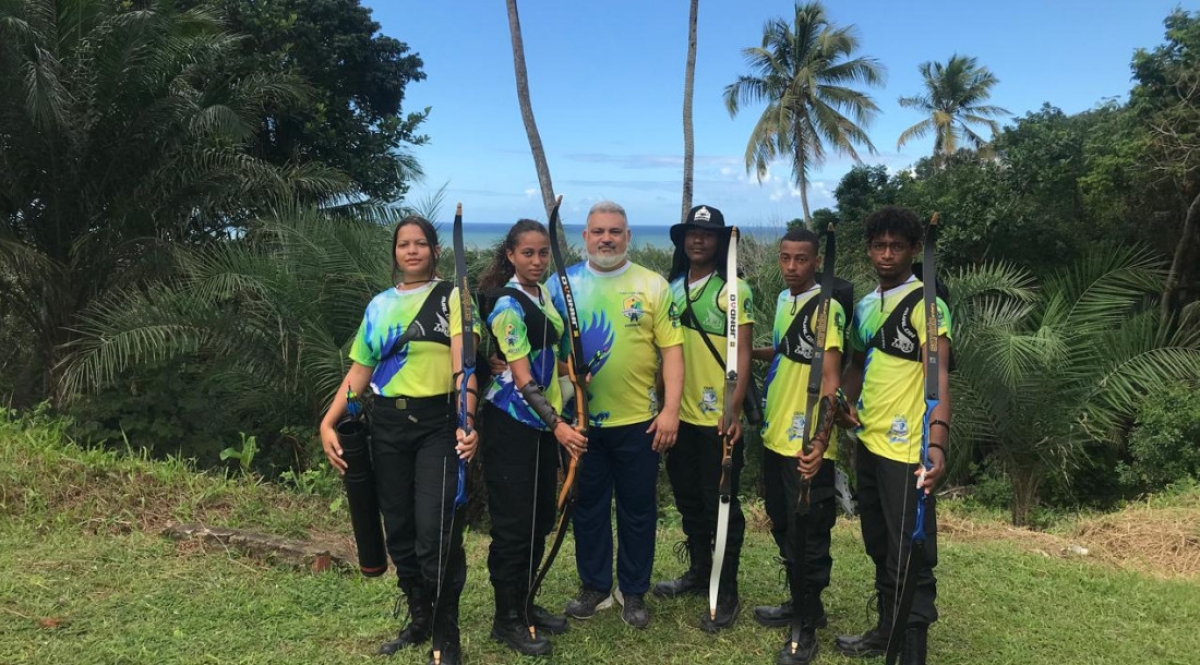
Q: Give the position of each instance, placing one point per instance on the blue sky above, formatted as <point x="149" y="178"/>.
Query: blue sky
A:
<point x="606" y="80"/>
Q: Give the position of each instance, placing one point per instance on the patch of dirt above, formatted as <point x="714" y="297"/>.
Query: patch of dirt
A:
<point x="1163" y="542"/>
<point x="1160" y="542"/>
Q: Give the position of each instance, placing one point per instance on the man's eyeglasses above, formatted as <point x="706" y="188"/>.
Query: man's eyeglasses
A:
<point x="881" y="247"/>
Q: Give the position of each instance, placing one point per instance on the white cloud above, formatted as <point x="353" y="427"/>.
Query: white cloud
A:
<point x="530" y="193"/>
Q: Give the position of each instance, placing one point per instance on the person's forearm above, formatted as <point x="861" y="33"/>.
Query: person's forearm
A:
<point x="763" y="353"/>
<point x="852" y="382"/>
<point x="672" y="369"/>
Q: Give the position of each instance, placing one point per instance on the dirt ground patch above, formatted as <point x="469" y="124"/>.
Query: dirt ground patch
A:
<point x="1161" y="542"/>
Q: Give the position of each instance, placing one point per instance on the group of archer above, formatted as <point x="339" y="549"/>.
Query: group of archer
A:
<point x="621" y="336"/>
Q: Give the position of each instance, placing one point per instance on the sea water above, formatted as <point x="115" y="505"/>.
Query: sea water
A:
<point x="483" y="235"/>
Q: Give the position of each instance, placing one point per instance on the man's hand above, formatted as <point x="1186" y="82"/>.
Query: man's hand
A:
<point x="496" y="365"/>
<point x="810" y="464"/>
<point x="937" y="459"/>
<point x="665" y="428"/>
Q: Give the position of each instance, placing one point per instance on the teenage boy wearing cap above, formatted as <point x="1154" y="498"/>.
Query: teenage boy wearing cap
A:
<point x="698" y="287"/>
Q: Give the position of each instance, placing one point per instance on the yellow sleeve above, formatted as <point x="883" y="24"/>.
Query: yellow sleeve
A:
<point x="667" y="330"/>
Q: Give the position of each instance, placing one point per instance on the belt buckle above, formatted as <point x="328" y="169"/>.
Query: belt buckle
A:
<point x="402" y="403"/>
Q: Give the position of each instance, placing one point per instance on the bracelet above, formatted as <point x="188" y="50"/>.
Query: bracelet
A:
<point x="943" y="423"/>
<point x="941" y="447"/>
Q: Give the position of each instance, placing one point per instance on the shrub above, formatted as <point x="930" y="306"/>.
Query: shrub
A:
<point x="1164" y="445"/>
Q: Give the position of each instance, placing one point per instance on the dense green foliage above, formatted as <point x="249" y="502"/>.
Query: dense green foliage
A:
<point x="126" y="131"/>
<point x="1164" y="445"/>
<point x="352" y="120"/>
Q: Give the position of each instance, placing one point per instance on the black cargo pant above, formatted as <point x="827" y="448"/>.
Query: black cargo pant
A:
<point x="887" y="507"/>
<point x="781" y="490"/>
<point x="694" y="468"/>
<point x="520" y="465"/>
<point x="416" y="476"/>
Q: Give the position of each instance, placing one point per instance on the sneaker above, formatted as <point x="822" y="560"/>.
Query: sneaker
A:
<point x="587" y="603"/>
<point x="634" y="612"/>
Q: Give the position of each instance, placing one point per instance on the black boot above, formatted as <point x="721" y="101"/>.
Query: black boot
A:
<point x="872" y="643"/>
<point x="728" y="607"/>
<point x="780" y="616"/>
<point x="509" y="627"/>
<point x="695" y="579"/>
<point x="420" y="613"/>
<point x="915" y="644"/>
<point x="555" y="624"/>
<point x="798" y="654"/>
<point x="446" y="648"/>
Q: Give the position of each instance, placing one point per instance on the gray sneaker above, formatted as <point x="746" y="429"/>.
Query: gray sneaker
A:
<point x="634" y="610"/>
<point x="587" y="603"/>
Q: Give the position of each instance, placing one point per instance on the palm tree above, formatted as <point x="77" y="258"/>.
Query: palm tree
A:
<point x="953" y="102"/>
<point x="804" y="70"/>
<point x="272" y="313"/>
<point x="1044" y="373"/>
<point x="531" y="130"/>
<point x="119" y="132"/>
<point x="689" y="84"/>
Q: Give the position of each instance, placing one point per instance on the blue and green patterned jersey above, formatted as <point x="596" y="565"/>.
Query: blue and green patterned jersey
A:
<point x="786" y="387"/>
<point x="704" y="380"/>
<point x="625" y="316"/>
<point x="418" y="368"/>
<point x="507" y="323"/>
<point x="892" y="403"/>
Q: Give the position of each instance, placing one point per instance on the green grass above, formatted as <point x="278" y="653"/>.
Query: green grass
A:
<point x="78" y="586"/>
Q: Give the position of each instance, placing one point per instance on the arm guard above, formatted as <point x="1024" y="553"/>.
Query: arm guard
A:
<point x="537" y="401"/>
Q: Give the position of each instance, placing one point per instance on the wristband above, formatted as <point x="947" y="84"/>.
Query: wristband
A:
<point x="943" y="423"/>
<point x="941" y="447"/>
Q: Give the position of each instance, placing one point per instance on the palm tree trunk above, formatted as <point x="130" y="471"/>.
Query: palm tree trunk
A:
<point x="535" y="140"/>
<point x="801" y="164"/>
<point x="689" y="80"/>
<point x="1025" y="484"/>
<point x="1185" y="240"/>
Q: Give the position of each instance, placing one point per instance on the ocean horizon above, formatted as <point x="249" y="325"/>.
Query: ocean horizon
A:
<point x="484" y="235"/>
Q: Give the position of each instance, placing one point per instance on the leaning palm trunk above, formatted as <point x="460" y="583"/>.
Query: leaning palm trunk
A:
<point x="689" y="84"/>
<point x="1171" y="287"/>
<point x="531" y="130"/>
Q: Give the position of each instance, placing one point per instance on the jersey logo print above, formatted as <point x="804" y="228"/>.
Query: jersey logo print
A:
<point x="899" y="431"/>
<point x="708" y="400"/>
<point x="906" y="338"/>
<point x="797" y="429"/>
<point x="634" y="309"/>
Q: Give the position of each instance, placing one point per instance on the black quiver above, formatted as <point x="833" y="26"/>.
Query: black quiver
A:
<point x="361" y="496"/>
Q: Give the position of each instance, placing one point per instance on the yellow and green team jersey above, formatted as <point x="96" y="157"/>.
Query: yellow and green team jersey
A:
<point x="786" y="387"/>
<point x="516" y="341"/>
<point x="416" y="368"/>
<point x="889" y="328"/>
<point x="704" y="380"/>
<point x="625" y="316"/>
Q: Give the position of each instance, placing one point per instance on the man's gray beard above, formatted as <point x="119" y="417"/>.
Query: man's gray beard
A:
<point x="608" y="261"/>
